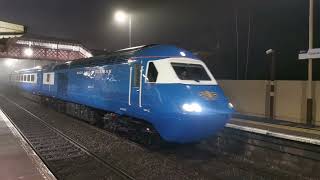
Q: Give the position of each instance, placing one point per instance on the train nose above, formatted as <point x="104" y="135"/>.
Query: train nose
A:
<point x="195" y="121"/>
<point x="187" y="128"/>
<point x="201" y="107"/>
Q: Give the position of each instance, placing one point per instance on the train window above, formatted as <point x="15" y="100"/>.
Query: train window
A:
<point x="152" y="72"/>
<point x="32" y="78"/>
<point x="136" y="76"/>
<point x="194" y="72"/>
<point x="29" y="78"/>
<point x="24" y="77"/>
<point x="48" y="78"/>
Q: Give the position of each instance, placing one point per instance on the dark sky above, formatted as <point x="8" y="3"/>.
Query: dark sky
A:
<point x="202" y="25"/>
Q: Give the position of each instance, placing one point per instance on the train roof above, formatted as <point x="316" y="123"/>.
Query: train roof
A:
<point x="29" y="70"/>
<point x="122" y="56"/>
<point x="119" y="56"/>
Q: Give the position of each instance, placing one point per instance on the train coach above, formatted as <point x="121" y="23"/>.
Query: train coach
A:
<point x="159" y="89"/>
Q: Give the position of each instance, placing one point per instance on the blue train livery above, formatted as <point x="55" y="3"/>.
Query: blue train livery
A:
<point x="163" y="85"/>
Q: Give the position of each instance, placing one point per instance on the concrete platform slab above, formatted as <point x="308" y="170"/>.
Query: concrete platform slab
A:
<point x="289" y="130"/>
<point x="17" y="159"/>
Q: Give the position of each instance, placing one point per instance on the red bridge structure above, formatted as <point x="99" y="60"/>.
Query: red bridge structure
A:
<point x="16" y="43"/>
<point x="43" y="48"/>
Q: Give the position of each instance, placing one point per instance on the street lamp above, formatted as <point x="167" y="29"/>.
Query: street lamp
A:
<point x="272" y="79"/>
<point x="121" y="17"/>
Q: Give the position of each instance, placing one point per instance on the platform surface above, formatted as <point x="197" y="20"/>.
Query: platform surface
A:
<point x="17" y="160"/>
<point x="275" y="128"/>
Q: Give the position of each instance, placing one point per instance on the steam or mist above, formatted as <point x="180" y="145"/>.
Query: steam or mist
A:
<point x="9" y="66"/>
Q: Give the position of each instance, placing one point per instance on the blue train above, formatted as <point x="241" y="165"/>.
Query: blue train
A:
<point x="162" y="88"/>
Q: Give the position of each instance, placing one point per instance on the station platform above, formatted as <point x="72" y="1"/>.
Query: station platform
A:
<point x="276" y="128"/>
<point x="17" y="158"/>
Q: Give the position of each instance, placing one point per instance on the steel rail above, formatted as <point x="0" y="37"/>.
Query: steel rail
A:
<point x="115" y="169"/>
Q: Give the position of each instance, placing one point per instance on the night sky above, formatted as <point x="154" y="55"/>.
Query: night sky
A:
<point x="205" y="26"/>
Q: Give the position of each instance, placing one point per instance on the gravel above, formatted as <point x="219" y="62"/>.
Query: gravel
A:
<point x="207" y="160"/>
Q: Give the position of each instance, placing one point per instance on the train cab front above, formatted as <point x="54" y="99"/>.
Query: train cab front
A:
<point x="195" y="107"/>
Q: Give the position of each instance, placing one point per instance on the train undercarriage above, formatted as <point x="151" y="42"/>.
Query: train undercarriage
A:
<point x="135" y="130"/>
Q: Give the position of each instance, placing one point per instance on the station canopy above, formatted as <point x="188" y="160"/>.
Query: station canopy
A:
<point x="10" y="30"/>
<point x="15" y="42"/>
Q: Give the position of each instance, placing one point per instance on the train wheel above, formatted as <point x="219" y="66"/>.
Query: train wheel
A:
<point x="99" y="122"/>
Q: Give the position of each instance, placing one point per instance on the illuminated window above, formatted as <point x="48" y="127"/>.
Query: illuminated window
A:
<point x="48" y="78"/>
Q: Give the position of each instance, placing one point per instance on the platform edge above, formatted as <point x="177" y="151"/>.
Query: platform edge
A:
<point x="40" y="165"/>
<point x="274" y="134"/>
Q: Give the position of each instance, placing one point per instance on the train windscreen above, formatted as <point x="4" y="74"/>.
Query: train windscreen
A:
<point x="194" y="72"/>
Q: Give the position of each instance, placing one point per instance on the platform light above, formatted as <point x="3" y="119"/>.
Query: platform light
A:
<point x="230" y="105"/>
<point x="194" y="107"/>
<point x="120" y="16"/>
<point x="10" y="62"/>
<point x="182" y="53"/>
<point x="28" y="52"/>
<point x="37" y="67"/>
<point x="269" y="51"/>
<point x="89" y="55"/>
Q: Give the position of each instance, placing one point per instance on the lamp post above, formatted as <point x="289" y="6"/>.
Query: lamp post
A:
<point x="309" y="91"/>
<point x="272" y="79"/>
<point x="121" y="17"/>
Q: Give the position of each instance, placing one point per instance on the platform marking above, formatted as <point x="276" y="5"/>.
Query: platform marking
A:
<point x="274" y="134"/>
<point x="310" y="131"/>
<point x="41" y="167"/>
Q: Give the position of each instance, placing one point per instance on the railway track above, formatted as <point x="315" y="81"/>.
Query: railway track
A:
<point x="233" y="155"/>
<point x="138" y="162"/>
<point x="63" y="155"/>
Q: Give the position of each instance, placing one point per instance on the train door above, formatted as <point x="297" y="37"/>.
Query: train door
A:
<point x="62" y="84"/>
<point x="39" y="82"/>
<point x="135" y="85"/>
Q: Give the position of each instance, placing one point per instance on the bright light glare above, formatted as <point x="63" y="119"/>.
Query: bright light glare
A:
<point x="10" y="62"/>
<point x="230" y="105"/>
<point x="28" y="52"/>
<point x="194" y="107"/>
<point x="120" y="16"/>
<point x="182" y="53"/>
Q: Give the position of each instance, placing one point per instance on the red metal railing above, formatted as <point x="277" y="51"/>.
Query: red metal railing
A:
<point x="44" y="50"/>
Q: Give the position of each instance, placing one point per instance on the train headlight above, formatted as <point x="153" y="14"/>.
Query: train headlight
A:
<point x="194" y="107"/>
<point x="230" y="105"/>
